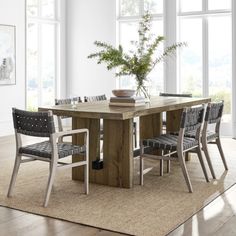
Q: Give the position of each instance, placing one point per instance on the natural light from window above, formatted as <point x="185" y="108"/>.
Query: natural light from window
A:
<point x="42" y="30"/>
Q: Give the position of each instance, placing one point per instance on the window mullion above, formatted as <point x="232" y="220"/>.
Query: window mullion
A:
<point x="234" y="67"/>
<point x="205" y="59"/>
<point x="56" y="60"/>
<point x="141" y="7"/>
<point x="204" y="6"/>
<point x="39" y="54"/>
<point x="170" y="66"/>
<point x="39" y="64"/>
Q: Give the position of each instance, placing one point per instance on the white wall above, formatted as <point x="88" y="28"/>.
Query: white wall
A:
<point x="12" y="12"/>
<point x="87" y="21"/>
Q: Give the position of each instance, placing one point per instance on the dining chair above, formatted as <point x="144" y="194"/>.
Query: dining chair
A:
<point x="41" y="124"/>
<point x="213" y="117"/>
<point x="184" y="95"/>
<point x="60" y="118"/>
<point x="191" y="120"/>
<point x="62" y="102"/>
<point x="101" y="98"/>
<point x="95" y="98"/>
<point x="187" y="95"/>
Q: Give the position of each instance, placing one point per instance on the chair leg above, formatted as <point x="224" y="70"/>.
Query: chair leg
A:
<point x="184" y="170"/>
<point x="101" y="151"/>
<point x="218" y="143"/>
<point x="206" y="152"/>
<point x="161" y="164"/>
<point x="86" y="178"/>
<point x="50" y="183"/>
<point x="14" y="175"/>
<point x="135" y="134"/>
<point x="141" y="166"/>
<point x="135" y="139"/>
<point x="199" y="154"/>
<point x="161" y="167"/>
<point x="168" y="166"/>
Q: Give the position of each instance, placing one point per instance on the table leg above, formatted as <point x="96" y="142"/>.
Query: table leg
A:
<point x="118" y="152"/>
<point x="150" y="126"/>
<point x="173" y="120"/>
<point x="95" y="176"/>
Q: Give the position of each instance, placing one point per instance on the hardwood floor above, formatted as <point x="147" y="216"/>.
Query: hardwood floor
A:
<point x="218" y="218"/>
<point x="13" y="222"/>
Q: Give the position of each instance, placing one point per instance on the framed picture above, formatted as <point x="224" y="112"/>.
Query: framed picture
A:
<point x="7" y="55"/>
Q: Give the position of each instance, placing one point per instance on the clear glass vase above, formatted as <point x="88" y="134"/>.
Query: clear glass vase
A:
<point x="142" y="91"/>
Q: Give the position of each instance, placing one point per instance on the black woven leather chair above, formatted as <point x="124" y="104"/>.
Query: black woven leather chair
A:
<point x="95" y="98"/>
<point x="41" y="124"/>
<point x="213" y="116"/>
<point x="62" y="102"/>
<point x="101" y="98"/>
<point x="186" y="95"/>
<point x="191" y="120"/>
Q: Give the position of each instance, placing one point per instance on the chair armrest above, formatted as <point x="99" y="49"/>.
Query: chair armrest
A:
<point x="70" y="132"/>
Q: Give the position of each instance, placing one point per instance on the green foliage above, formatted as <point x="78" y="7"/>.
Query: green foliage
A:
<point x="139" y="62"/>
<point x="223" y="95"/>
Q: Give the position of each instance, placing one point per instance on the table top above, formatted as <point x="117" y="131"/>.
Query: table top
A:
<point x="102" y="110"/>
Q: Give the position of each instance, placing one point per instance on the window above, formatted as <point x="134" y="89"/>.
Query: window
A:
<point x="204" y="67"/>
<point x="130" y="13"/>
<point x="206" y="64"/>
<point x="42" y="51"/>
<point x="191" y="56"/>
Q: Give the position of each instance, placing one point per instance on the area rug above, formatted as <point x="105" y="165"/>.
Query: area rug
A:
<point x="156" y="208"/>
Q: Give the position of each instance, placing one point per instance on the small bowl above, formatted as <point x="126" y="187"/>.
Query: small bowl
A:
<point x="123" y="92"/>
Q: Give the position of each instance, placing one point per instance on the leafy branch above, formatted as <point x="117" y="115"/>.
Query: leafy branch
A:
<point x="139" y="62"/>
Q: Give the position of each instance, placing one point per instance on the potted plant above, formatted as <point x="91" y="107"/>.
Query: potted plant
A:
<point x="138" y="63"/>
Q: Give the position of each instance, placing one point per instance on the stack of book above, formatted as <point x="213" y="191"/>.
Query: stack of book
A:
<point x="127" y="101"/>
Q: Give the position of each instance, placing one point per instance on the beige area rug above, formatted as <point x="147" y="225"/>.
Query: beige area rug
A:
<point x="154" y="209"/>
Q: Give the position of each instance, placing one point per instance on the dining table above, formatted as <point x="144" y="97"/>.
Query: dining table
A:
<point x="116" y="167"/>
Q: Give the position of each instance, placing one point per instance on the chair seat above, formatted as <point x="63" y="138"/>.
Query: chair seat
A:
<point x="169" y="142"/>
<point x="210" y="135"/>
<point x="192" y="134"/>
<point x="44" y="149"/>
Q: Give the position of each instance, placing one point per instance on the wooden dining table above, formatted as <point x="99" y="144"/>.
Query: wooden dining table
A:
<point x="117" y="166"/>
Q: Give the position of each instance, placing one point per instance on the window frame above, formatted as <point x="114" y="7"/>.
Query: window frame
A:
<point x="56" y="22"/>
<point x="204" y="14"/>
<point x="121" y="19"/>
<point x="229" y="128"/>
<point x="171" y="15"/>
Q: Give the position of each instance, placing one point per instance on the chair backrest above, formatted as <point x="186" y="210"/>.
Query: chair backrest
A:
<point x="189" y="95"/>
<point x="214" y="112"/>
<point x="67" y="100"/>
<point x="63" y="101"/>
<point x="192" y="118"/>
<point x="38" y="124"/>
<point x="95" y="98"/>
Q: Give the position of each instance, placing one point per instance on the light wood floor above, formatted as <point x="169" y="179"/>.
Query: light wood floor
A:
<point x="218" y="218"/>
